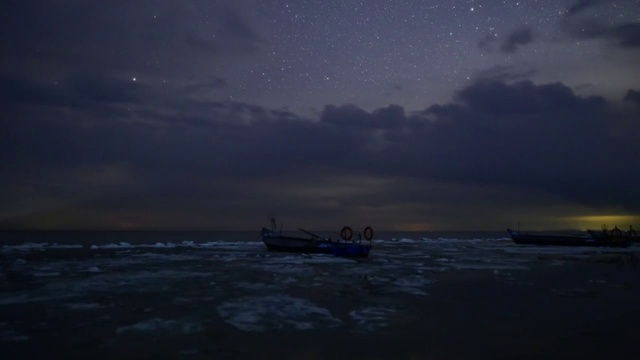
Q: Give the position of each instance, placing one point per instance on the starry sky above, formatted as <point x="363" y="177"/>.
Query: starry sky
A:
<point x="403" y="115"/>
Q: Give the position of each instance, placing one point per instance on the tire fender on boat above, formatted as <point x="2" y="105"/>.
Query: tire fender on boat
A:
<point x="346" y="233"/>
<point x="616" y="232"/>
<point x="368" y="233"/>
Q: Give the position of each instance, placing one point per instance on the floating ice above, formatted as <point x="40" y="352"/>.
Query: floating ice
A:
<point x="122" y="245"/>
<point x="22" y="298"/>
<point x="412" y="284"/>
<point x="157" y="324"/>
<point x="163" y="245"/>
<point x="93" y="269"/>
<point x="25" y="247"/>
<point x="84" y="306"/>
<point x="10" y="335"/>
<point x="371" y="318"/>
<point x="255" y="286"/>
<point x="45" y="274"/>
<point x="275" y="312"/>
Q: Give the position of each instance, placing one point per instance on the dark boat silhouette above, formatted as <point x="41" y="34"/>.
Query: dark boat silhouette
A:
<point x="615" y="235"/>
<point x="276" y="241"/>
<point x="566" y="239"/>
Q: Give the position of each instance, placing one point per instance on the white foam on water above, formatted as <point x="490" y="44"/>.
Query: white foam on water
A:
<point x="275" y="312"/>
<point x="158" y="324"/>
<point x="371" y="318"/>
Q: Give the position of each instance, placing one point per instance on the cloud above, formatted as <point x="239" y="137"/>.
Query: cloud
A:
<point x="486" y="43"/>
<point x="517" y="38"/>
<point x="505" y="73"/>
<point x="627" y="35"/>
<point x="192" y="156"/>
<point x="582" y="6"/>
<point x="624" y="35"/>
<point x="633" y="96"/>
<point x="511" y="43"/>
<point x="159" y="40"/>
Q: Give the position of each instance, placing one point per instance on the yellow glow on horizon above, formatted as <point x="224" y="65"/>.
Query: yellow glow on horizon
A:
<point x="596" y="221"/>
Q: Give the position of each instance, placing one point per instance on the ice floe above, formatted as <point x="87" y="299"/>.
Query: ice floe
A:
<point x="183" y="326"/>
<point x="263" y="313"/>
<point x="45" y="274"/>
<point x="412" y="284"/>
<point x="84" y="306"/>
<point x="11" y="335"/>
<point x="92" y="269"/>
<point x="38" y="247"/>
<point x="371" y="318"/>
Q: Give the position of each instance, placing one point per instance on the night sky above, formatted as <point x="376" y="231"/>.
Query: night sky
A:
<point x="403" y="115"/>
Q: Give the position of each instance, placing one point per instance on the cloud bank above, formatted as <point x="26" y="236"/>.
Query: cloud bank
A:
<point x="124" y="148"/>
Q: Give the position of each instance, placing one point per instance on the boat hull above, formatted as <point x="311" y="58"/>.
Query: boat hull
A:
<point x="276" y="242"/>
<point x="605" y="236"/>
<point x="565" y="240"/>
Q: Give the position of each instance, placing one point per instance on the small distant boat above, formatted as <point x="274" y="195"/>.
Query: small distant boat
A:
<point x="565" y="239"/>
<point x="346" y="247"/>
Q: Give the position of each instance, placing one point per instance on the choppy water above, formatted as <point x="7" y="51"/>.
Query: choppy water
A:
<point x="123" y="285"/>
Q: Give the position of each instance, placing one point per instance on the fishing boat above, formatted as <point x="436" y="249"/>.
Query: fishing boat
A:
<point x="346" y="246"/>
<point x="564" y="239"/>
<point x="615" y="235"/>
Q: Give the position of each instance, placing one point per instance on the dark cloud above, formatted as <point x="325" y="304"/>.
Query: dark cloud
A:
<point x="119" y="38"/>
<point x="210" y="84"/>
<point x="583" y="86"/>
<point x="239" y="27"/>
<point x="626" y="35"/>
<point x="183" y="153"/>
<point x="102" y="95"/>
<point x="633" y="96"/>
<point x="581" y="6"/>
<point x="510" y="44"/>
<point x="505" y="73"/>
<point x="517" y="38"/>
<point x="486" y="43"/>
